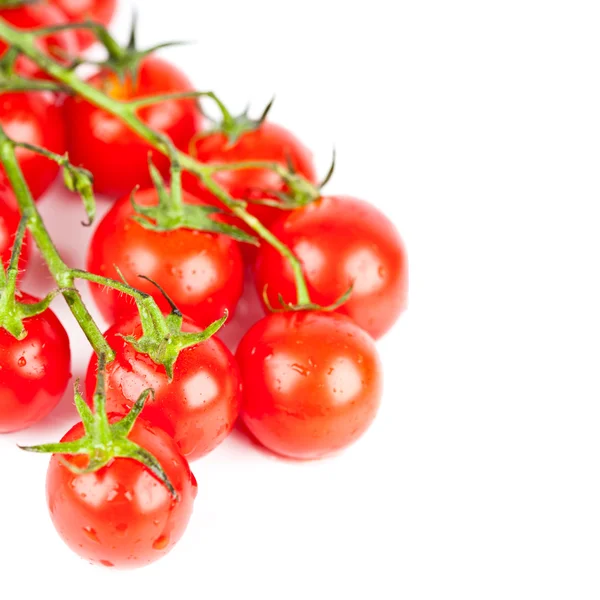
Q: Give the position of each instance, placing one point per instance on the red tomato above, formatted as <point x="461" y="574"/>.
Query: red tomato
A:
<point x="9" y="222"/>
<point x="34" y="372"/>
<point x="201" y="272"/>
<point x="76" y="11"/>
<point x="122" y="516"/>
<point x="106" y="146"/>
<point x="267" y="143"/>
<point x="34" y="118"/>
<point x="312" y="382"/>
<point x="198" y="408"/>
<point x="58" y="45"/>
<point x="341" y="241"/>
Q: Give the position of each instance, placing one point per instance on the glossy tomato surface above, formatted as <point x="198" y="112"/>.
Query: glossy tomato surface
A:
<point x="312" y="383"/>
<point x="269" y="142"/>
<point x="9" y="222"/>
<point x="60" y="45"/>
<point x="37" y="119"/>
<point x="106" y="146"/>
<point x="34" y="372"/>
<point x="198" y="408"/>
<point x="202" y="272"/>
<point x="340" y="242"/>
<point x="122" y="516"/>
<point x="76" y="11"/>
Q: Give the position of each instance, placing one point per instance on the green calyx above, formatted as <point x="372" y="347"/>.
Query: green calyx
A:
<point x="172" y="212"/>
<point x="162" y="338"/>
<point x="300" y="192"/>
<point x="76" y="179"/>
<point x="80" y="181"/>
<point x="125" y="61"/>
<point x="233" y="127"/>
<point x="104" y="441"/>
<point x="13" y="312"/>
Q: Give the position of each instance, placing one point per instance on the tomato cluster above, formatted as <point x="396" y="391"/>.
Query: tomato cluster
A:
<point x="306" y="380"/>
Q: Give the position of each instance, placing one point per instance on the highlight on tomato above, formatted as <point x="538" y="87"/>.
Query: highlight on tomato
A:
<point x="105" y="145"/>
<point x="197" y="407"/>
<point x="259" y="141"/>
<point x="35" y="357"/>
<point x="121" y="515"/>
<point x="76" y="11"/>
<point x="312" y="382"/>
<point x="34" y="118"/>
<point x="201" y="271"/>
<point x="342" y="243"/>
<point x="61" y="45"/>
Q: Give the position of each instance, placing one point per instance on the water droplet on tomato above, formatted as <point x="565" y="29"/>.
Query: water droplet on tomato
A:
<point x="91" y="533"/>
<point x="22" y="362"/>
<point x="106" y="563"/>
<point x="161" y="543"/>
<point x="301" y="369"/>
<point x="122" y="528"/>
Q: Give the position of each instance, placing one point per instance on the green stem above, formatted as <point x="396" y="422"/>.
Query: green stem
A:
<point x="25" y="43"/>
<point x="24" y="85"/>
<point x="149" y="311"/>
<point x="61" y="273"/>
<point x="59" y="159"/>
<point x="302" y="295"/>
<point x="249" y="164"/>
<point x="101" y="423"/>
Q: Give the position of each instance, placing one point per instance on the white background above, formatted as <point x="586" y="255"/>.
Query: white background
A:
<point x="476" y="127"/>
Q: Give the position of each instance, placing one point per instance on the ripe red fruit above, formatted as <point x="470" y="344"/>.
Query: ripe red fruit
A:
<point x="198" y="408"/>
<point x="340" y="242"/>
<point x="312" y="382"/>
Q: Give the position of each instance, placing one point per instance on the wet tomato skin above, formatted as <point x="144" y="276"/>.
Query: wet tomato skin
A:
<point x="122" y="516"/>
<point x="340" y="242"/>
<point x="269" y="142"/>
<point x="9" y="222"/>
<point x="37" y="119"/>
<point x="59" y="45"/>
<point x="76" y="11"/>
<point x="106" y="146"/>
<point x="202" y="272"/>
<point x="312" y="383"/>
<point x="34" y="372"/>
<point x="198" y="408"/>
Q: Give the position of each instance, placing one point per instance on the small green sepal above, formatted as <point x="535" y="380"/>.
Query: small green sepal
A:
<point x="162" y="338"/>
<point x="290" y="307"/>
<point x="102" y="441"/>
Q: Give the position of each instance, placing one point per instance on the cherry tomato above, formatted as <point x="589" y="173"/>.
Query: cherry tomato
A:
<point x="34" y="372"/>
<point x="105" y="145"/>
<point x="267" y="143"/>
<point x="198" y="408"/>
<point x="9" y="222"/>
<point x="202" y="272"/>
<point x="122" y="516"/>
<point x="34" y="118"/>
<point x="340" y="241"/>
<point x="312" y="382"/>
<point x="76" y="11"/>
<point x="59" y="46"/>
